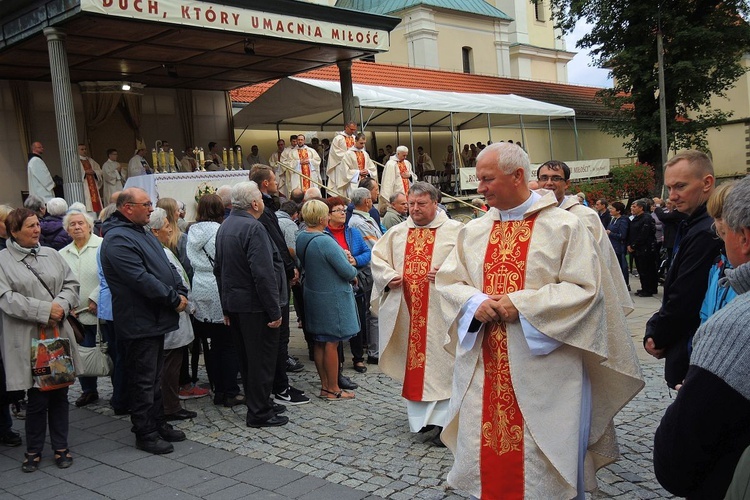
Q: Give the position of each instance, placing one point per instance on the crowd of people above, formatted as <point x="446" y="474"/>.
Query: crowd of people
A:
<point x="507" y="333"/>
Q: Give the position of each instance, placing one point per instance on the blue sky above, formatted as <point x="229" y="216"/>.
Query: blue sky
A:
<point x="579" y="70"/>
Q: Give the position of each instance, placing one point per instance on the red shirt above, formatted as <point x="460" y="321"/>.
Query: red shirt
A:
<point x="339" y="236"/>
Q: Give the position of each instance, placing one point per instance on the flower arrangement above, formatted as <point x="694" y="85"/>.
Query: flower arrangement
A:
<point x="204" y="188"/>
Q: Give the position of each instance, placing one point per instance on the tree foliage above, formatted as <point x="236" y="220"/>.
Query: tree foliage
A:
<point x="703" y="42"/>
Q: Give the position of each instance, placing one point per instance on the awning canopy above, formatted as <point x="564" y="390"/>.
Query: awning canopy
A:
<point x="316" y="104"/>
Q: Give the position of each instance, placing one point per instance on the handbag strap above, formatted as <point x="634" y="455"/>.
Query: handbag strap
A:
<point x="304" y="250"/>
<point x="38" y="277"/>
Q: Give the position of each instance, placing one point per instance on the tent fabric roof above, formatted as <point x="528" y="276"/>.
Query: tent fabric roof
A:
<point x="580" y="98"/>
<point x="478" y="7"/>
<point x="313" y="102"/>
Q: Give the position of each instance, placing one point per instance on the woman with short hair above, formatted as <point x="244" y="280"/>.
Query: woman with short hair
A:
<point x="25" y="304"/>
<point x="175" y="342"/>
<point x="222" y="363"/>
<point x="81" y="257"/>
<point x="330" y="309"/>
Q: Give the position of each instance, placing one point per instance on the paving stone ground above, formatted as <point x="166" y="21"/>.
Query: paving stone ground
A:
<point x="346" y="449"/>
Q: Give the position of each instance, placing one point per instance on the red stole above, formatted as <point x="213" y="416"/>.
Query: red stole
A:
<point x="403" y="170"/>
<point x="360" y="159"/>
<point x="420" y="243"/>
<point x="501" y="461"/>
<point x="305" y="166"/>
<point x="90" y="179"/>
<point x="349" y="141"/>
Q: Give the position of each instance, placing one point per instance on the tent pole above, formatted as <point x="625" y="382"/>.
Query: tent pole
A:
<point x="454" y="156"/>
<point x="361" y="118"/>
<point x="429" y="132"/>
<point x="575" y="133"/>
<point x="489" y="128"/>
<point x="278" y="132"/>
<point x="411" y="140"/>
<point x="549" y="131"/>
<point x="523" y="134"/>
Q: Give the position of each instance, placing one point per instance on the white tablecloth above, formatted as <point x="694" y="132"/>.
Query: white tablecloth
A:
<point x="184" y="186"/>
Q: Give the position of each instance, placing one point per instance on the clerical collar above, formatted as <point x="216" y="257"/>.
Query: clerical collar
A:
<point x="517" y="213"/>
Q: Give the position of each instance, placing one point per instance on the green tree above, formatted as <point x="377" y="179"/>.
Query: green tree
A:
<point x="703" y="42"/>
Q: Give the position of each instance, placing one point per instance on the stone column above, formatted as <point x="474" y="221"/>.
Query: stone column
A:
<point x="347" y="91"/>
<point x="67" y="136"/>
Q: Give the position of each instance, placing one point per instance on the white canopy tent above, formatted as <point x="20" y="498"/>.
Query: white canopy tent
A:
<point x="308" y="103"/>
<point x="304" y="103"/>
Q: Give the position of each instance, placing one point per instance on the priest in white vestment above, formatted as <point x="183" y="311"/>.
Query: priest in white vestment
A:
<point x="543" y="363"/>
<point x="92" y="178"/>
<point x="555" y="176"/>
<point x="138" y="164"/>
<point x="397" y="177"/>
<point x="412" y="326"/>
<point x="341" y="143"/>
<point x="40" y="180"/>
<point x="355" y="165"/>
<point x="303" y="160"/>
<point x="111" y="176"/>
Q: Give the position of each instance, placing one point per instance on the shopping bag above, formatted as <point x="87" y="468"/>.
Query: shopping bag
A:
<point x="95" y="360"/>
<point x="51" y="362"/>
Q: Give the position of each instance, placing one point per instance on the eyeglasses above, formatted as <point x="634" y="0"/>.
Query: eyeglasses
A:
<point x="147" y="204"/>
<point x="554" y="178"/>
<point x="338" y="210"/>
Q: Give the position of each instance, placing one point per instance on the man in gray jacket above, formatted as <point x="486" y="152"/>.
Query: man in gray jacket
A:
<point x="252" y="286"/>
<point x="147" y="297"/>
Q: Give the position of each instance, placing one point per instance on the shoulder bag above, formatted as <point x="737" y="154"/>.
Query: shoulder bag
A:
<point x="95" y="360"/>
<point x="75" y="325"/>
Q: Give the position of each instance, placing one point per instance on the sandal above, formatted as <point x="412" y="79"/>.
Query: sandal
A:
<point x="63" y="459"/>
<point x="337" y="396"/>
<point x="31" y="462"/>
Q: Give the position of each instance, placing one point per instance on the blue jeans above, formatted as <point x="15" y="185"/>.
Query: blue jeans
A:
<point x="621" y="258"/>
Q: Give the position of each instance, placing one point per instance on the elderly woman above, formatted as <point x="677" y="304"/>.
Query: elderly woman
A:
<point x="53" y="232"/>
<point x="222" y="363"/>
<point x="330" y="309"/>
<point x="81" y="257"/>
<point x="358" y="254"/>
<point x="176" y="342"/>
<point x="189" y="388"/>
<point x="4" y="211"/>
<point x="25" y="305"/>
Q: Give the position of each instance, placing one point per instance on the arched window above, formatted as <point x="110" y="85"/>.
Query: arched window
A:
<point x="467" y="58"/>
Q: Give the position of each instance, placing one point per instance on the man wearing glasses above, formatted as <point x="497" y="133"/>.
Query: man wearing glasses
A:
<point x="554" y="175"/>
<point x="147" y="296"/>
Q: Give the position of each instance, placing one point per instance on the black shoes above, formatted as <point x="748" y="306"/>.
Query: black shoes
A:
<point x="359" y="367"/>
<point x="155" y="445"/>
<point x="10" y="438"/>
<point x="277" y="408"/>
<point x="170" y="434"/>
<point x="346" y="383"/>
<point x="293" y="365"/>
<point x="87" y="398"/>
<point x="641" y="293"/>
<point x="182" y="414"/>
<point x="372" y="360"/>
<point x="275" y="421"/>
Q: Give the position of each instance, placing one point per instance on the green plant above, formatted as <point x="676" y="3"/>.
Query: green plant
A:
<point x="634" y="180"/>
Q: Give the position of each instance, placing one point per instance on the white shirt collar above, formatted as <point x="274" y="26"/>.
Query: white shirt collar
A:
<point x="517" y="213"/>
